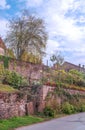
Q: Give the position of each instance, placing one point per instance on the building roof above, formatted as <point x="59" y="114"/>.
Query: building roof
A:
<point x="2" y="45"/>
<point x="68" y="66"/>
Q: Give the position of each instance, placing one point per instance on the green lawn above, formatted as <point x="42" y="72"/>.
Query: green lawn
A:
<point x="18" y="121"/>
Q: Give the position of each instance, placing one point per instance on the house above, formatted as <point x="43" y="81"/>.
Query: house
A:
<point x="67" y="66"/>
<point x="2" y="47"/>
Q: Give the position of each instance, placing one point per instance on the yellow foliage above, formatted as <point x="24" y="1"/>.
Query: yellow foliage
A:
<point x="10" y="53"/>
<point x="1" y="69"/>
<point x="30" y="58"/>
<point x="7" y="88"/>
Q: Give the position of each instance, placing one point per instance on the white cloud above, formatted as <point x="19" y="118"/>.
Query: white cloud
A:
<point x="52" y="46"/>
<point x="4" y="5"/>
<point x="3" y="27"/>
<point x="61" y="17"/>
<point x="59" y="23"/>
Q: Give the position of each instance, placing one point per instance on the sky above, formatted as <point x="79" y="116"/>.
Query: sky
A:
<point x="65" y="24"/>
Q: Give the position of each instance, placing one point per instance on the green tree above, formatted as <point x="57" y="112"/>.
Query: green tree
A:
<point x="27" y="33"/>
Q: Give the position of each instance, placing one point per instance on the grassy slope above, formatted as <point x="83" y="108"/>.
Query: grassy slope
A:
<point x="7" y="88"/>
<point x="18" y="121"/>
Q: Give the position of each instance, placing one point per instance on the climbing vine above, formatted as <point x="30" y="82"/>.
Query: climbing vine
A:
<point x="5" y="61"/>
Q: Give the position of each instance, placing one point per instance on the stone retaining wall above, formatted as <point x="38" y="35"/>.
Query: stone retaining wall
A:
<point x="26" y="69"/>
<point x="12" y="105"/>
<point x="43" y="92"/>
<point x="16" y="104"/>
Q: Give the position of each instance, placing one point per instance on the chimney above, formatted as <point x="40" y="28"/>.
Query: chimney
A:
<point x="83" y="66"/>
<point x="79" y="67"/>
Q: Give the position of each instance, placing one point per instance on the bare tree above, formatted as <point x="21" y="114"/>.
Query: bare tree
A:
<point x="27" y="33"/>
<point x="57" y="59"/>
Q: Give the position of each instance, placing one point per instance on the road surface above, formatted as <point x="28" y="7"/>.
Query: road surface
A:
<point x="73" y="122"/>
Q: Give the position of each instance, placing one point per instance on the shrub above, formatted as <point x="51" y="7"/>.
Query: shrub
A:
<point x="49" y="112"/>
<point x="36" y="83"/>
<point x="67" y="108"/>
<point x="82" y="108"/>
<point x="14" y="79"/>
<point x="24" y="82"/>
<point x="81" y="82"/>
<point x="77" y="108"/>
<point x="54" y="104"/>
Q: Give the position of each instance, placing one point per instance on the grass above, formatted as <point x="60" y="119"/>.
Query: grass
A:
<point x="7" y="88"/>
<point x="10" y="124"/>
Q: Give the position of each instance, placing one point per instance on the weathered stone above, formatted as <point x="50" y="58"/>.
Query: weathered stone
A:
<point x="30" y="108"/>
<point x="10" y="107"/>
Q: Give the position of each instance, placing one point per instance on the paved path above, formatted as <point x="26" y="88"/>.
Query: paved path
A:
<point x="73" y="122"/>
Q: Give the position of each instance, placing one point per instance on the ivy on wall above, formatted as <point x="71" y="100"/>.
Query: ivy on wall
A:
<point x="5" y="61"/>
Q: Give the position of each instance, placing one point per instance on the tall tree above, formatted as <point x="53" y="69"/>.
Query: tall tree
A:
<point x="27" y="33"/>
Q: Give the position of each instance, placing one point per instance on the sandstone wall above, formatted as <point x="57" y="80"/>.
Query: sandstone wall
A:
<point x="40" y="100"/>
<point x="16" y="104"/>
<point x="26" y="69"/>
<point x="43" y="92"/>
<point x="13" y="105"/>
<point x="29" y="70"/>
